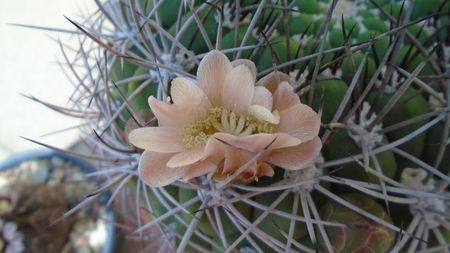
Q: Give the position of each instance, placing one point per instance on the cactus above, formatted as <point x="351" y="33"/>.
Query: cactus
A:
<point x="375" y="71"/>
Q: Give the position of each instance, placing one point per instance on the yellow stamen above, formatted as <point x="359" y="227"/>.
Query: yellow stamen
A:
<point x="221" y="119"/>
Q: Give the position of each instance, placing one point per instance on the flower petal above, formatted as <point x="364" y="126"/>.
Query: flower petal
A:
<point x="250" y="65"/>
<point x="168" y="114"/>
<point x="235" y="159"/>
<point x="185" y="94"/>
<point x="272" y="80"/>
<point x="264" y="114"/>
<point x="265" y="170"/>
<point x="295" y="158"/>
<point x="256" y="142"/>
<point x="165" y="139"/>
<point x="199" y="169"/>
<point x="284" y="97"/>
<point x="211" y="74"/>
<point x="300" y="121"/>
<point x="154" y="172"/>
<point x="238" y="89"/>
<point x="262" y="97"/>
<point x="185" y="158"/>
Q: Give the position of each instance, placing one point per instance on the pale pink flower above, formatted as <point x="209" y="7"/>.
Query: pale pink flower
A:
<point x="219" y="122"/>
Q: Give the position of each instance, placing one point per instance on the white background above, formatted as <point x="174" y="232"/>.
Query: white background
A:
<point x="28" y="65"/>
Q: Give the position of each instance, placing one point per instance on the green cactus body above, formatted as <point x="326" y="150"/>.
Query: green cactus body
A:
<point x="432" y="147"/>
<point x="393" y="9"/>
<point x="327" y="97"/>
<point x="204" y="224"/>
<point x="411" y="104"/>
<point x="409" y="58"/>
<point x="308" y="50"/>
<point x="121" y="70"/>
<point x="230" y="238"/>
<point x="379" y="48"/>
<point x="433" y="242"/>
<point x="342" y="145"/>
<point x="424" y="7"/>
<point x="298" y="25"/>
<point x="338" y="38"/>
<point x="374" y="24"/>
<point x="193" y="39"/>
<point x="361" y="234"/>
<point x="165" y="7"/>
<point x="230" y="40"/>
<point x="139" y="103"/>
<point x="308" y="6"/>
<point x="274" y="224"/>
<point x="280" y="50"/>
<point x="367" y="72"/>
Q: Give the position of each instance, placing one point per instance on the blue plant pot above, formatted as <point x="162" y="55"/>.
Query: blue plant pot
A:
<point x="17" y="159"/>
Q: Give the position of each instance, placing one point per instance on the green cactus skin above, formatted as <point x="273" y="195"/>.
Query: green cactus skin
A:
<point x="308" y="50"/>
<point x="342" y="146"/>
<point x="327" y="97"/>
<point x="361" y="234"/>
<point x="379" y="48"/>
<point x="121" y="70"/>
<point x="308" y="6"/>
<point x="425" y="7"/>
<point x="228" y="40"/>
<point x="432" y="145"/>
<point x="411" y="104"/>
<point x="366" y="74"/>
<point x="193" y="38"/>
<point x="373" y="23"/>
<point x="204" y="224"/>
<point x="433" y="242"/>
<point x="409" y="59"/>
<point x="166" y="7"/>
<point x="279" y="47"/>
<point x="139" y="103"/>
<point x="273" y="223"/>
<point x="230" y="238"/>
<point x="298" y="25"/>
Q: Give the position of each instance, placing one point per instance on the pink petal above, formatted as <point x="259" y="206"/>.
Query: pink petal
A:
<point x="256" y="142"/>
<point x="272" y="80"/>
<point x="284" y="97"/>
<point x="238" y="89"/>
<point x="185" y="158"/>
<point x="265" y="170"/>
<point x="211" y="74"/>
<point x="300" y="121"/>
<point x="165" y="139"/>
<point x="168" y="114"/>
<point x="250" y="65"/>
<point x="262" y="97"/>
<point x="218" y="151"/>
<point x="185" y="94"/>
<point x="295" y="158"/>
<point x="235" y="159"/>
<point x="154" y="172"/>
<point x="199" y="169"/>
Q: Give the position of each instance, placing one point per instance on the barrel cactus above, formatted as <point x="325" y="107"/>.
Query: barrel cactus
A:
<point x="270" y="126"/>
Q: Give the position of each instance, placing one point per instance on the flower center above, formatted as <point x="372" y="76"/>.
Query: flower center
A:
<point x="224" y="120"/>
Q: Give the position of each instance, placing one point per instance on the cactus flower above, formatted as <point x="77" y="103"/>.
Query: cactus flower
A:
<point x="222" y="122"/>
